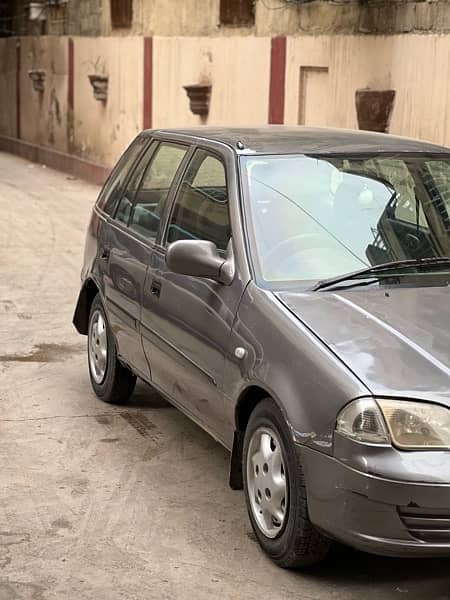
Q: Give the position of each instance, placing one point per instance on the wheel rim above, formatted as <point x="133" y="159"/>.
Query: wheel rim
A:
<point x="266" y="481"/>
<point x="98" y="347"/>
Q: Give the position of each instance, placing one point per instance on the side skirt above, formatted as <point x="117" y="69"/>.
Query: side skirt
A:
<point x="179" y="406"/>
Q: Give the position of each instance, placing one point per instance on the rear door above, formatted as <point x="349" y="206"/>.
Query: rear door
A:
<point x="123" y="276"/>
<point x="106" y="206"/>
<point x="131" y="238"/>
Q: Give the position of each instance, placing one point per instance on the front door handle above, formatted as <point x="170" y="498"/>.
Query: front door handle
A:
<point x="155" y="288"/>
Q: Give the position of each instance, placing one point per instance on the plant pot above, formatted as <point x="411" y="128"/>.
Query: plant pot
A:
<point x="37" y="76"/>
<point x="199" y="95"/>
<point x="99" y="85"/>
<point x="374" y="109"/>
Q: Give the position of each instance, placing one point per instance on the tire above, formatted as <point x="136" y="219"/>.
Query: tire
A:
<point x="111" y="381"/>
<point x="289" y="539"/>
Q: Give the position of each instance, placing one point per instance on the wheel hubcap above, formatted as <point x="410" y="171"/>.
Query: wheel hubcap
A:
<point x="266" y="481"/>
<point x="98" y="347"/>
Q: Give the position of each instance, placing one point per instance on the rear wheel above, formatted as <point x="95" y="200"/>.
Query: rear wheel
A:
<point x="111" y="381"/>
<point x="275" y="492"/>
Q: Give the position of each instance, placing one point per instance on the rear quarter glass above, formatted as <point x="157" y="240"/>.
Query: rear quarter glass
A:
<point x="112" y="189"/>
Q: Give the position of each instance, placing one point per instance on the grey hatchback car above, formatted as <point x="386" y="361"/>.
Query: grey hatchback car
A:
<point x="288" y="289"/>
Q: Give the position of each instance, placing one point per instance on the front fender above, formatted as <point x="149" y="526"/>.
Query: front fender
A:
<point x="307" y="381"/>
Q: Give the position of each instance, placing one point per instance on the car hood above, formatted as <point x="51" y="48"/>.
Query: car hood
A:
<point x="396" y="341"/>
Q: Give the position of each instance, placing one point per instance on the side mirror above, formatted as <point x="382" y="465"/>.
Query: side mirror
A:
<point x="200" y="258"/>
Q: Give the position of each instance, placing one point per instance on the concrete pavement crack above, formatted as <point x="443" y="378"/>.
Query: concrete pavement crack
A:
<point x="110" y="414"/>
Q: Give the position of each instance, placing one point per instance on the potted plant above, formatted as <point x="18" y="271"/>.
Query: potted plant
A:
<point x="37" y="76"/>
<point x="374" y="109"/>
<point x="99" y="81"/>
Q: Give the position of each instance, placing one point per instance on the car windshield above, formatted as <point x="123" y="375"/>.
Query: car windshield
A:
<point x="316" y="217"/>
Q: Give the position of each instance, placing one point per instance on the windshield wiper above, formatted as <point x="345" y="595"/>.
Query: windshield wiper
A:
<point x="416" y="263"/>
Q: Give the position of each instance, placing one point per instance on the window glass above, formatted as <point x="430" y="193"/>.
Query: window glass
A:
<point x="126" y="202"/>
<point x="154" y="189"/>
<point x="438" y="182"/>
<point x="114" y="185"/>
<point x="124" y="210"/>
<point x="396" y="172"/>
<point x="201" y="207"/>
<point x="313" y="218"/>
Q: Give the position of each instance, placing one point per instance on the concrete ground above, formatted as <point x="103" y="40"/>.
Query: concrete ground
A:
<point x="114" y="503"/>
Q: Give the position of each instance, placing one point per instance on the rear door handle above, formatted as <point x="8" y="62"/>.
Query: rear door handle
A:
<point x="105" y="254"/>
<point x="126" y="286"/>
<point x="155" y="288"/>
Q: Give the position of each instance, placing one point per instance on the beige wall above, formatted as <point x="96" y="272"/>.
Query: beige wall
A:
<point x="322" y="75"/>
<point x="167" y="17"/>
<point x="421" y="72"/>
<point x="416" y="66"/>
<point x="305" y="52"/>
<point x="8" y="86"/>
<point x="102" y="131"/>
<point x="352" y="17"/>
<point x="277" y="17"/>
<point x="44" y="115"/>
<point x="237" y="68"/>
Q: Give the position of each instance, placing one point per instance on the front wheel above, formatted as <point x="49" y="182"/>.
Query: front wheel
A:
<point x="111" y="381"/>
<point x="275" y="492"/>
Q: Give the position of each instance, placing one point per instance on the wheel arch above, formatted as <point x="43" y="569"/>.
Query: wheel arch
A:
<point x="248" y="399"/>
<point x="85" y="298"/>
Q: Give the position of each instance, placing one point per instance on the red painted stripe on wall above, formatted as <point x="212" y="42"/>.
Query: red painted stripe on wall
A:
<point x="71" y="75"/>
<point x="277" y="80"/>
<point x="18" y="68"/>
<point x="148" y="83"/>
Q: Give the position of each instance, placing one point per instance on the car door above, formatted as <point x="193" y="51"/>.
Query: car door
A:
<point x="186" y="321"/>
<point x="122" y="257"/>
<point x="107" y="203"/>
<point x="131" y="236"/>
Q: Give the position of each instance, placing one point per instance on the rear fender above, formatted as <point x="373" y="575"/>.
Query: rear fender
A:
<point x="83" y="307"/>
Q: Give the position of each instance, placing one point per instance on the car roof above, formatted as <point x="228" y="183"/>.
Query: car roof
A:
<point x="276" y="139"/>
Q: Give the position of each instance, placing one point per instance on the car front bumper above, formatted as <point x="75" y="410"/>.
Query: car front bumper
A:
<point x="374" y="514"/>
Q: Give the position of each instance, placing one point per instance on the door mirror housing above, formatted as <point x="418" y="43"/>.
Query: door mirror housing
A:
<point x="200" y="258"/>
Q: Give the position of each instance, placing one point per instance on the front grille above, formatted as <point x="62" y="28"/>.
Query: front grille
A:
<point x="427" y="524"/>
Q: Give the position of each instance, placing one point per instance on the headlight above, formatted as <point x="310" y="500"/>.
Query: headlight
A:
<point x="362" y="420"/>
<point x="410" y="425"/>
<point x="417" y="425"/>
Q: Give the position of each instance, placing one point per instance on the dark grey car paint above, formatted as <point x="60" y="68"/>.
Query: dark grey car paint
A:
<point x="292" y="364"/>
<point x="311" y="352"/>
<point x="397" y="342"/>
<point x="123" y="279"/>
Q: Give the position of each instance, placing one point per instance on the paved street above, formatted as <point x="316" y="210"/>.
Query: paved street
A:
<point x="105" y="503"/>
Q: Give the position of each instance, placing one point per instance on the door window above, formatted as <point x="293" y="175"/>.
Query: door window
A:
<point x="113" y="188"/>
<point x="201" y="207"/>
<point x="154" y="188"/>
<point x="126" y="203"/>
<point x="124" y="210"/>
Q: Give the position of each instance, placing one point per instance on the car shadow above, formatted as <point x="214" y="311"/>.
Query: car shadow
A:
<point x="383" y="577"/>
<point x="356" y="574"/>
<point x="147" y="398"/>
